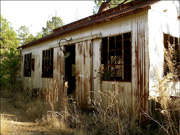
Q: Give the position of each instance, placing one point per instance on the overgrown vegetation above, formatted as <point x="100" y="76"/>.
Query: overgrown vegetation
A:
<point x="111" y="115"/>
<point x="166" y="96"/>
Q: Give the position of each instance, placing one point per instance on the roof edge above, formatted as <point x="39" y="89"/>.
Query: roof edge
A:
<point x="108" y="15"/>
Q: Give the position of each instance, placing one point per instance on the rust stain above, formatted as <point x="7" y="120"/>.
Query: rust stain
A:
<point x="90" y="52"/>
<point x="136" y="67"/>
<point x="90" y="76"/>
<point x="122" y="89"/>
<point x="80" y="48"/>
<point x="137" y="64"/>
<point x="84" y="57"/>
<point x="85" y="90"/>
<point x="140" y="71"/>
<point x="90" y="89"/>
<point x="81" y="92"/>
<point x="87" y="46"/>
<point x="145" y="87"/>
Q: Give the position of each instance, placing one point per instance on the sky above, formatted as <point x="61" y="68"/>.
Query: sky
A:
<point x="35" y="14"/>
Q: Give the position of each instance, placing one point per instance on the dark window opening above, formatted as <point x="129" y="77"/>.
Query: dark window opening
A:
<point x="27" y="65"/>
<point x="47" y="63"/>
<point x="70" y="68"/>
<point x="116" y="58"/>
<point x="175" y="42"/>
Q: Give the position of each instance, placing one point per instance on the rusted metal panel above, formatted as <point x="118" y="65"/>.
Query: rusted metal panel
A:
<point x="83" y="72"/>
<point x="78" y="72"/>
<point x="96" y="67"/>
<point x="140" y="62"/>
<point x="122" y="88"/>
<point x="135" y="93"/>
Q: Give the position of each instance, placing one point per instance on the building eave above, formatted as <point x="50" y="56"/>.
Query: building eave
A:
<point x="106" y="16"/>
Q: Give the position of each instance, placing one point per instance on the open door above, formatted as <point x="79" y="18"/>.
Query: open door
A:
<point x="70" y="68"/>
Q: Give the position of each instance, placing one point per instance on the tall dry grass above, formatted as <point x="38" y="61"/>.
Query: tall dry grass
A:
<point x="61" y="117"/>
<point x="113" y="115"/>
<point x="169" y="120"/>
<point x="5" y="128"/>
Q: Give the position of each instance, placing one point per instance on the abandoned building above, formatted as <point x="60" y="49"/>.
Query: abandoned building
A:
<point x="116" y="49"/>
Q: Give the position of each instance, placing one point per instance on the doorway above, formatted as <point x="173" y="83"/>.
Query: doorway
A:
<point x="70" y="68"/>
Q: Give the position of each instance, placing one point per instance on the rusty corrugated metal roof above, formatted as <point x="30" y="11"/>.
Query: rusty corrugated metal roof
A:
<point x="111" y="14"/>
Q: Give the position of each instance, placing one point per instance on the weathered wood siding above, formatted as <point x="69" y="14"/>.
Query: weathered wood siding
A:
<point x="96" y="66"/>
<point x="83" y="64"/>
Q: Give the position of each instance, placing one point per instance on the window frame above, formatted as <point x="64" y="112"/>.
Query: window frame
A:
<point x="47" y="63"/>
<point x="27" y="64"/>
<point x="116" y="51"/>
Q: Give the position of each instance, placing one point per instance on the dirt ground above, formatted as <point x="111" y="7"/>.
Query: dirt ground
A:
<point x="13" y="123"/>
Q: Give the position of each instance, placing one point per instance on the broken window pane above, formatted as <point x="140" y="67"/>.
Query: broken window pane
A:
<point x="115" y="57"/>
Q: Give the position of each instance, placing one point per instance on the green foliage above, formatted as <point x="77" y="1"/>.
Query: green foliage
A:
<point x="24" y="35"/>
<point x="9" y="56"/>
<point x="113" y="3"/>
<point x="30" y="38"/>
<point x="10" y="66"/>
<point x="9" y="37"/>
<point x="38" y="35"/>
<point x="55" y="22"/>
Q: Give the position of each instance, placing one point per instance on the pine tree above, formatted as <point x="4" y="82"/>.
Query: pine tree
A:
<point x="55" y="22"/>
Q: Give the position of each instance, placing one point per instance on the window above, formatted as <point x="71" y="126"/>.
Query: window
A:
<point x="170" y="40"/>
<point x="116" y="58"/>
<point x="47" y="63"/>
<point x="27" y="65"/>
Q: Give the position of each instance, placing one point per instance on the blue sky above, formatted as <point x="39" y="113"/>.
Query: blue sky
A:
<point x="34" y="14"/>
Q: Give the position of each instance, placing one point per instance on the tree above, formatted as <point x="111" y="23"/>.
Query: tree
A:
<point x="55" y="22"/>
<point x="113" y="3"/>
<point x="24" y="35"/>
<point x="38" y="35"/>
<point x="10" y="66"/>
<point x="9" y="38"/>
<point x="9" y="55"/>
<point x="30" y="38"/>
